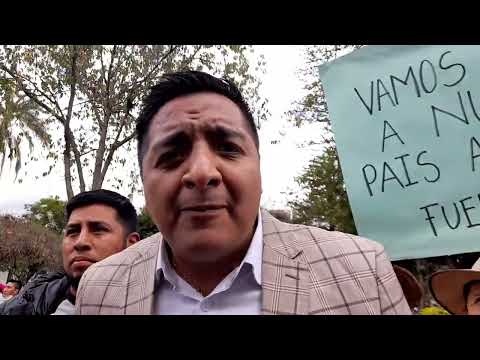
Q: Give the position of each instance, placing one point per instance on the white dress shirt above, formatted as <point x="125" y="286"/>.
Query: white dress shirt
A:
<point x="239" y="293"/>
<point x="65" y="308"/>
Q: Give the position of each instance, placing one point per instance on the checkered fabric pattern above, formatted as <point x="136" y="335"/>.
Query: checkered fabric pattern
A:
<point x="306" y="270"/>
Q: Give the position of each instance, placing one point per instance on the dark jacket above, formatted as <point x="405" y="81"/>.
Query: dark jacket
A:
<point x="40" y="296"/>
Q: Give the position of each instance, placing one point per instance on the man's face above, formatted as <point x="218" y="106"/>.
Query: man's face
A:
<point x="201" y="176"/>
<point x="10" y="290"/>
<point x="473" y="300"/>
<point x="92" y="233"/>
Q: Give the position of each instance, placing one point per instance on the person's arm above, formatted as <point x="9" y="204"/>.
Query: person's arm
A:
<point x="392" y="299"/>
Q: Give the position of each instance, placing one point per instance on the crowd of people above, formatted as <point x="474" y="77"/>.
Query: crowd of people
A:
<point x="217" y="251"/>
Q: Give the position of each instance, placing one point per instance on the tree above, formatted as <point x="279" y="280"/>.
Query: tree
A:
<point x="326" y="201"/>
<point x="90" y="95"/>
<point x="26" y="248"/>
<point x="146" y="226"/>
<point x="313" y="106"/>
<point x="280" y="214"/>
<point x="49" y="212"/>
<point x="18" y="121"/>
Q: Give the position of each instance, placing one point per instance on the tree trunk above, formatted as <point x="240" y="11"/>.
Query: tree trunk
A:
<point x="66" y="164"/>
<point x="97" y="172"/>
<point x="68" y="136"/>
<point x="78" y="162"/>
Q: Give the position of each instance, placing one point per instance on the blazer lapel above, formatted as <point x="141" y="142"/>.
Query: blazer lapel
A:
<point x="286" y="279"/>
<point x="140" y="289"/>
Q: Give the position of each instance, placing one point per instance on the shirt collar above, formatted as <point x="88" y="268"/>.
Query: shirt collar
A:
<point x="252" y="257"/>
<point x="255" y="250"/>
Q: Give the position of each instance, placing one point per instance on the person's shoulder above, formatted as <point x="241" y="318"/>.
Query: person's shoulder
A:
<point x="321" y="236"/>
<point x="139" y="252"/>
<point x="308" y="236"/>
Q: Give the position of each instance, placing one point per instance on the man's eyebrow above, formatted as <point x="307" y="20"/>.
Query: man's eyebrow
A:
<point x="97" y="223"/>
<point x="225" y="132"/>
<point x="175" y="138"/>
<point x="89" y="223"/>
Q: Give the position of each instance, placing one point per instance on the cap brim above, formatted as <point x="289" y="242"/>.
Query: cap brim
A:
<point x="447" y="288"/>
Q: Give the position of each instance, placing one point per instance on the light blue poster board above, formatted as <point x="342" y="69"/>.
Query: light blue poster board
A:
<point x="406" y="121"/>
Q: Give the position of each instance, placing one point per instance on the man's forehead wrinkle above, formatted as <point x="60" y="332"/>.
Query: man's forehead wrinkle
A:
<point x="214" y="124"/>
<point x="173" y="128"/>
<point x="192" y="111"/>
<point x="197" y="104"/>
<point x="175" y="109"/>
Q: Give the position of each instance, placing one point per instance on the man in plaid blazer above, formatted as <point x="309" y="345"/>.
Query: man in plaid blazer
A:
<point x="216" y="252"/>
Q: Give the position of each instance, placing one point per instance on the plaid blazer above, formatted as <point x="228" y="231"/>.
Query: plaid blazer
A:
<point x="305" y="270"/>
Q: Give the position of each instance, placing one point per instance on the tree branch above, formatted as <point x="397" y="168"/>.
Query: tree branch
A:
<point x="145" y="78"/>
<point x="42" y="93"/>
<point x="33" y="96"/>
<point x="68" y="133"/>
<point x="103" y="67"/>
<point x="192" y="57"/>
<point x="109" y="74"/>
<point x="162" y="59"/>
<point x="124" y="140"/>
<point x="108" y="105"/>
<point x="88" y="152"/>
<point x="172" y="49"/>
<point x="116" y="144"/>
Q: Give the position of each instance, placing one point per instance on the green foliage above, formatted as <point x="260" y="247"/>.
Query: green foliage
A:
<point x="48" y="212"/>
<point x="313" y="107"/>
<point x="146" y="227"/>
<point x="27" y="247"/>
<point x="18" y="122"/>
<point x="433" y="310"/>
<point x="326" y="200"/>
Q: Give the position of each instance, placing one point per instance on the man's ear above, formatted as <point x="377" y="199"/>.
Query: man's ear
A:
<point x="132" y="238"/>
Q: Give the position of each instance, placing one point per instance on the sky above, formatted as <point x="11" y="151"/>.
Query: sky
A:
<point x="280" y="162"/>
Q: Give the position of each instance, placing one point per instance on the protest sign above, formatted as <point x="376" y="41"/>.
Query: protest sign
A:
<point x="406" y="121"/>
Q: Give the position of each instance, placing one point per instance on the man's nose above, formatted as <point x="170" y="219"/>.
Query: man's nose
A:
<point x="82" y="242"/>
<point x="203" y="171"/>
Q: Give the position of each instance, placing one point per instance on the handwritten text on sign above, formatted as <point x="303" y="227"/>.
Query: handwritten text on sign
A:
<point x="407" y="126"/>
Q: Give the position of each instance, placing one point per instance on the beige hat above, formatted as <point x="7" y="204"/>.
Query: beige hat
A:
<point x="447" y="287"/>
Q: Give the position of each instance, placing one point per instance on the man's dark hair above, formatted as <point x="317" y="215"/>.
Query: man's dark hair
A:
<point x="17" y="283"/>
<point x="184" y="83"/>
<point x="126" y="213"/>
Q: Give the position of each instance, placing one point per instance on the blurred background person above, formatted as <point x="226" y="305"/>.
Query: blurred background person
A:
<point x="458" y="290"/>
<point x="10" y="290"/>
